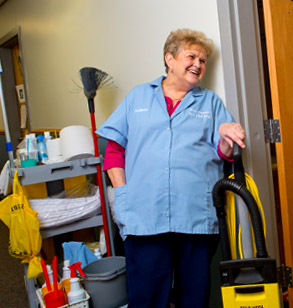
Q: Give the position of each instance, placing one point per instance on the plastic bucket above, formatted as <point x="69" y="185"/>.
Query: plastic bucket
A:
<point x="105" y="282"/>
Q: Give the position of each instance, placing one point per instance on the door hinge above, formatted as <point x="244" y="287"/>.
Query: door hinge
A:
<point x="285" y="276"/>
<point x="272" y="131"/>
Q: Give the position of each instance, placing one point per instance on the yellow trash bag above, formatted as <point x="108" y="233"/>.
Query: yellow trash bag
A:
<point x="25" y="240"/>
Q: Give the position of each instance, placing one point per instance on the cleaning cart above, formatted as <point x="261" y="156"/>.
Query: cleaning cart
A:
<point x="252" y="282"/>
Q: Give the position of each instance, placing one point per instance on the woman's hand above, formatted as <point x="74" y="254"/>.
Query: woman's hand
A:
<point x="231" y="132"/>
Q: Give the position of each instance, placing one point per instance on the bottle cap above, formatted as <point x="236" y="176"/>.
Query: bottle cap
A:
<point x="40" y="137"/>
<point x="66" y="263"/>
<point x="49" y="269"/>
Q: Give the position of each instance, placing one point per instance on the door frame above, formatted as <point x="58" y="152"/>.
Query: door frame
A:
<point x="5" y="40"/>
<point x="246" y="100"/>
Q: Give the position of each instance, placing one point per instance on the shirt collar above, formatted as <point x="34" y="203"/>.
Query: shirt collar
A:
<point x="196" y="91"/>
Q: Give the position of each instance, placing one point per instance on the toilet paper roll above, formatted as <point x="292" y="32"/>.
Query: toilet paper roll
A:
<point x="76" y="142"/>
<point x="53" y="148"/>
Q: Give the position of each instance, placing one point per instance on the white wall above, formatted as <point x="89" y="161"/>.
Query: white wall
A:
<point x="124" y="38"/>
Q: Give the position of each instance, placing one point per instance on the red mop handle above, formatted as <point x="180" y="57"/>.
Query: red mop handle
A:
<point x="100" y="184"/>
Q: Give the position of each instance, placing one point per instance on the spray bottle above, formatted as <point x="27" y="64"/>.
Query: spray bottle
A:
<point x="76" y="293"/>
<point x="66" y="276"/>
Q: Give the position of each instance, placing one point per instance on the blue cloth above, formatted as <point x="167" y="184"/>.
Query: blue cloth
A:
<point x="78" y="252"/>
<point x="171" y="163"/>
<point x="151" y="262"/>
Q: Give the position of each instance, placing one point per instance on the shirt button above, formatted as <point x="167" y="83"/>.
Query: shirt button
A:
<point x="166" y="169"/>
<point x="165" y="190"/>
<point x="168" y="128"/>
<point x="165" y="213"/>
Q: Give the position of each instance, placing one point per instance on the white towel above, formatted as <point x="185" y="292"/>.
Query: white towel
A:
<point x="5" y="184"/>
<point x="54" y="212"/>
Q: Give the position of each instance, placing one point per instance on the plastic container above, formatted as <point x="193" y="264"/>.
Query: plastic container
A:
<point x="42" y="149"/>
<point x="47" y="136"/>
<point x="31" y="143"/>
<point x="66" y="276"/>
<point x="98" y="253"/>
<point x="80" y="304"/>
<point x="28" y="159"/>
<point x="65" y="270"/>
<point x="55" y="299"/>
<point x="76" y="292"/>
<point x="105" y="282"/>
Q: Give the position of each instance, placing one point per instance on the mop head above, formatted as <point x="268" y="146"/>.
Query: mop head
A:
<point x="93" y="79"/>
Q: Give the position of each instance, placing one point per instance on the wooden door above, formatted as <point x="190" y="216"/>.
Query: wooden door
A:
<point x="278" y="16"/>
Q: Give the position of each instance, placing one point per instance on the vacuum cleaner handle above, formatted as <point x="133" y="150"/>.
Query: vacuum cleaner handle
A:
<point x="237" y="186"/>
<point x="238" y="164"/>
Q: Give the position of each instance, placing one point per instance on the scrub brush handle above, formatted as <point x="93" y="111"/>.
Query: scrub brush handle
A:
<point x="46" y="276"/>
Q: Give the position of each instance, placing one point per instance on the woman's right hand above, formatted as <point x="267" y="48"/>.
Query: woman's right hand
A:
<point x="231" y="132"/>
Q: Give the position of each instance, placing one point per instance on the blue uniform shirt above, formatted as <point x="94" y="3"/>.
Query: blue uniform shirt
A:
<point x="171" y="163"/>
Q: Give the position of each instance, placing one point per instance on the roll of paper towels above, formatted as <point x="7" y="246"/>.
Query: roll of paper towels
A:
<point x="76" y="142"/>
<point x="53" y="148"/>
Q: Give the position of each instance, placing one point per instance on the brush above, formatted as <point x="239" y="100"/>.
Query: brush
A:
<point x="93" y="79"/>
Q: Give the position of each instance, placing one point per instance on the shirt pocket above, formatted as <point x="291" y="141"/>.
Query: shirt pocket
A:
<point x="120" y="205"/>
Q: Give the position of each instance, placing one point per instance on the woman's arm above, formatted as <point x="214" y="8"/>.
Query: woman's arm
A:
<point x="117" y="176"/>
<point x="114" y="163"/>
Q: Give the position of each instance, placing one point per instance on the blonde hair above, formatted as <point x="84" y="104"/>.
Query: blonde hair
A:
<point x="186" y="37"/>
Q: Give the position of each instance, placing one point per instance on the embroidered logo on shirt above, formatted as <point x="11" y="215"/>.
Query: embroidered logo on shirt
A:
<point x="141" y="110"/>
<point x="199" y="114"/>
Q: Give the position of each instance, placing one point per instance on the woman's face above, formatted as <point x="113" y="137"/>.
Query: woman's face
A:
<point x="189" y="66"/>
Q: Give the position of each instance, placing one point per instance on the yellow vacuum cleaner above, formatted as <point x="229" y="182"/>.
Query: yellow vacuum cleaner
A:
<point x="246" y="283"/>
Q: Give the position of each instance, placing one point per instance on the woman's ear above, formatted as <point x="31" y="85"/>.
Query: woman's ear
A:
<point x="169" y="59"/>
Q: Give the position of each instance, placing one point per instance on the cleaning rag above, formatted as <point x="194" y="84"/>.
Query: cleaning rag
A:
<point x="78" y="252"/>
<point x="5" y="187"/>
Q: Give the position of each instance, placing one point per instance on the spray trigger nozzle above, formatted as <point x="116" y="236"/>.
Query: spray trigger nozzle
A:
<point x="76" y="267"/>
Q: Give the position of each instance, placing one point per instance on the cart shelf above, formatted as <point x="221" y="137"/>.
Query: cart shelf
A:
<point x="57" y="171"/>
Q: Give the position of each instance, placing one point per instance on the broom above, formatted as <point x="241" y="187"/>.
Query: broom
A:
<point x="92" y="80"/>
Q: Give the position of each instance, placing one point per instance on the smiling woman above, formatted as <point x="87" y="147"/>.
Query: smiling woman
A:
<point x="163" y="162"/>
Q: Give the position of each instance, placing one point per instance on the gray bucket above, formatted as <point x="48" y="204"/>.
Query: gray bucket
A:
<point x="105" y="282"/>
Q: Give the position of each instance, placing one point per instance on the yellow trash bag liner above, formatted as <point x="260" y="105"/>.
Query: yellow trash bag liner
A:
<point x="25" y="240"/>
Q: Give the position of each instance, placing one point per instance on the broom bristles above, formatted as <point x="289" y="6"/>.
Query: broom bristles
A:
<point x="92" y="79"/>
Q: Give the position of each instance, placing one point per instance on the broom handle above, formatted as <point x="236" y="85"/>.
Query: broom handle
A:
<point x="100" y="184"/>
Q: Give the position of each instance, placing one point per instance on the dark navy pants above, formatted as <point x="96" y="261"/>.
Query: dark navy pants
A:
<point x="169" y="267"/>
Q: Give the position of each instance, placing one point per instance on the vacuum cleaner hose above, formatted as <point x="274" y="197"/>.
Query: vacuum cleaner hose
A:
<point x="219" y="202"/>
